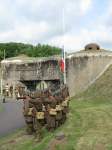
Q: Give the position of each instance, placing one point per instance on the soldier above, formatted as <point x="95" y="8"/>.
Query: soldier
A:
<point x="43" y="108"/>
<point x="17" y="93"/>
<point x="3" y="100"/>
<point x="64" y="112"/>
<point x="28" y="111"/>
<point x="38" y="121"/>
<point x="7" y="90"/>
<point x="59" y="111"/>
<point x="11" y="91"/>
<point x="51" y="113"/>
<point x="67" y="93"/>
<point x="65" y="105"/>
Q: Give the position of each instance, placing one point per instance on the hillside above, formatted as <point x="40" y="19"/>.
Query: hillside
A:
<point x="88" y="127"/>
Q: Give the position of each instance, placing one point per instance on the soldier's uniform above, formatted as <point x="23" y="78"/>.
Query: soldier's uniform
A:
<point x="59" y="111"/>
<point x="7" y="90"/>
<point x="65" y="104"/>
<point x="42" y="108"/>
<point x="39" y="117"/>
<point x="51" y="114"/>
<point x="27" y="111"/>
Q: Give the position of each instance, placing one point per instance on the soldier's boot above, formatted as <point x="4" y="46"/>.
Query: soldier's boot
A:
<point x="57" y="124"/>
<point x="52" y="129"/>
<point x="3" y="99"/>
<point x="38" y="136"/>
<point x="38" y="131"/>
<point x="63" y="119"/>
<point x="47" y="127"/>
<point x="29" y="129"/>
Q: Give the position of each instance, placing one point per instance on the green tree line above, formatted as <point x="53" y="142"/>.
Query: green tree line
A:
<point x="14" y="49"/>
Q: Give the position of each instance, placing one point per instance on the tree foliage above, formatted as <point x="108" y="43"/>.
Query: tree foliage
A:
<point x="15" y="49"/>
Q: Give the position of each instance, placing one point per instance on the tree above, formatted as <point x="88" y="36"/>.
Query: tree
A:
<point x="13" y="49"/>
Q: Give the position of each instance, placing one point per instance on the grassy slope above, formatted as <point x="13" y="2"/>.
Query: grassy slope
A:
<point x="89" y="126"/>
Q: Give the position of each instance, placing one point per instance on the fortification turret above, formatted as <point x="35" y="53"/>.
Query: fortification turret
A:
<point x="92" y="46"/>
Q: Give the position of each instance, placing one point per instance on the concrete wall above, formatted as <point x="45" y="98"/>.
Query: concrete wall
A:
<point x="83" y="69"/>
<point x="48" y="70"/>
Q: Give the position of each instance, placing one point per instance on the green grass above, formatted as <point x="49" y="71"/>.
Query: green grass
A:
<point x="19" y="140"/>
<point x="88" y="127"/>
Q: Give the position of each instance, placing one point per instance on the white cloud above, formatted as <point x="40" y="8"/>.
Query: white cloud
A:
<point x="76" y="42"/>
<point x="26" y="32"/>
<point x="26" y="20"/>
<point x="85" y="5"/>
<point x="41" y="21"/>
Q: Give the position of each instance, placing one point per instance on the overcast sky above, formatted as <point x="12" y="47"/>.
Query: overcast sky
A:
<point x="41" y="21"/>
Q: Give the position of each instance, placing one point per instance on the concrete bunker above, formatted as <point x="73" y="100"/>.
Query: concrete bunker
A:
<point x="31" y="74"/>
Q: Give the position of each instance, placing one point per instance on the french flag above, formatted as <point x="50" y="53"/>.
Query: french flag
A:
<point x="62" y="61"/>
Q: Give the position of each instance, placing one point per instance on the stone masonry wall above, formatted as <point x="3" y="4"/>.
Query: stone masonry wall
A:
<point x="82" y="70"/>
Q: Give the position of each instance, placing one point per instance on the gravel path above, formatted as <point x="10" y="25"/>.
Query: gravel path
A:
<point x="11" y="118"/>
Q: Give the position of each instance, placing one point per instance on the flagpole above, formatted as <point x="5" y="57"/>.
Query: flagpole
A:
<point x="63" y="19"/>
<point x="2" y="71"/>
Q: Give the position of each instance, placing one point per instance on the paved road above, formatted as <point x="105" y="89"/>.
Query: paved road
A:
<point x="11" y="118"/>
